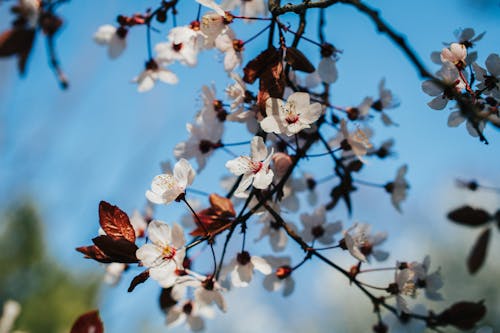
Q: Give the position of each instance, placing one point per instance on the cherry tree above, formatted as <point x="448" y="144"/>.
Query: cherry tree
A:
<point x="281" y="102"/>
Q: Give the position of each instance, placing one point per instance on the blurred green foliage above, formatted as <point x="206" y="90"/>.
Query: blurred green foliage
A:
<point x="50" y="296"/>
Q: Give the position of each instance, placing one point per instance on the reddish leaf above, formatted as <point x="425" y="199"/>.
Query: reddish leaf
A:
<point x="462" y="315"/>
<point x="93" y="252"/>
<point x="119" y="250"/>
<point x="298" y="60"/>
<point x="477" y="255"/>
<point x="115" y="222"/>
<point x="469" y="216"/>
<point x="89" y="322"/>
<point x="254" y="69"/>
<point x="222" y="205"/>
<point x="138" y="279"/>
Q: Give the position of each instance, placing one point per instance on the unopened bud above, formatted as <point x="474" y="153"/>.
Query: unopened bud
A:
<point x="283" y="272"/>
<point x="282" y="163"/>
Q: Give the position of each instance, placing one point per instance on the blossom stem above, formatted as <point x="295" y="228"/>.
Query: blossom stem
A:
<point x="252" y="18"/>
<point x="257" y="34"/>
<point x="364" y="182"/>
<point x="327" y="248"/>
<point x="325" y="153"/>
<point x="377" y="269"/>
<point x="201" y="225"/>
<point x="235" y="144"/>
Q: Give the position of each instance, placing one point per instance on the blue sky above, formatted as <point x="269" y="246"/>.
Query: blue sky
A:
<point x="101" y="140"/>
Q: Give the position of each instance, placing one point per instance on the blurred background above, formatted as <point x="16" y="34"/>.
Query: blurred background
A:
<point x="61" y="152"/>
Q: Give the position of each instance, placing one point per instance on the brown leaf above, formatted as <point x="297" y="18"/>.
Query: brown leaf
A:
<point x="138" y="279"/>
<point x="115" y="222"/>
<point x="462" y="315"/>
<point x="17" y="41"/>
<point x="222" y="204"/>
<point x="89" y="322"/>
<point x="478" y="253"/>
<point x="298" y="60"/>
<point x="119" y="250"/>
<point x="93" y="252"/>
<point x="469" y="216"/>
<point x="255" y="67"/>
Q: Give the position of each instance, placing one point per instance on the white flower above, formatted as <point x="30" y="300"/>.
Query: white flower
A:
<point x="282" y="277"/>
<point x="489" y="82"/>
<point x="207" y="290"/>
<point x="248" y="8"/>
<point x="277" y="235"/>
<point x="205" y="134"/>
<point x="361" y="244"/>
<point x="166" y="188"/>
<point x="449" y="75"/>
<point x="405" y="282"/>
<point x="112" y="37"/>
<point x="190" y="312"/>
<point x="455" y="54"/>
<point x="327" y="70"/>
<point x="316" y="228"/>
<point x="213" y="6"/>
<point x="291" y="117"/>
<point x="242" y="267"/>
<point x="398" y="187"/>
<point x="356" y="142"/>
<point x="114" y="272"/>
<point x="165" y="254"/>
<point x="254" y="168"/>
<point x="211" y="26"/>
<point x="30" y="11"/>
<point x="146" y="80"/>
<point x="430" y="282"/>
<point x="236" y="93"/>
<point x="456" y="118"/>
<point x="183" y="45"/>
<point x="227" y="43"/>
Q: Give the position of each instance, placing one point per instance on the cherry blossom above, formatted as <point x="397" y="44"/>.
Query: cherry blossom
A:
<point x="113" y="37"/>
<point x="449" y="75"/>
<point x="361" y="244"/>
<point x="213" y="6"/>
<point x="227" y="43"/>
<point x="165" y="254"/>
<point x="474" y="126"/>
<point x="356" y="142"/>
<point x="316" y="228"/>
<point x="404" y="286"/>
<point x="207" y="290"/>
<point x="146" y="80"/>
<point x="291" y="117"/>
<point x="189" y="312"/>
<point x="166" y="188"/>
<point x="248" y="8"/>
<point x="430" y="282"/>
<point x="241" y="268"/>
<point x="282" y="276"/>
<point x="489" y="80"/>
<point x="183" y="45"/>
<point x="205" y="134"/>
<point x="254" y="168"/>
<point x="398" y="188"/>
<point x="455" y="54"/>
